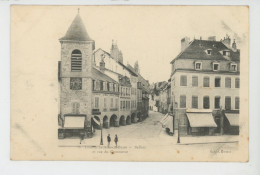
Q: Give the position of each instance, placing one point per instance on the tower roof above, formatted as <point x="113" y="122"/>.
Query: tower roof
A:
<point x="77" y="31"/>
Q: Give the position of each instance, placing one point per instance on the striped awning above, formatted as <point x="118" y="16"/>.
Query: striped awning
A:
<point x="233" y="119"/>
<point x="201" y="120"/>
<point x="74" y="122"/>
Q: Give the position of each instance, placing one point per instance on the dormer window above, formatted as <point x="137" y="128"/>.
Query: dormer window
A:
<point x="226" y="53"/>
<point x="215" y="66"/>
<point x="209" y="51"/>
<point x="233" y="67"/>
<point x="198" y="65"/>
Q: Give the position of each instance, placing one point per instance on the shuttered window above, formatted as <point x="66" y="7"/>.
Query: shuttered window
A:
<point x="237" y="103"/>
<point x="228" y="82"/>
<point x="182" y="101"/>
<point x="194" y="102"/>
<point x="228" y="103"/>
<point x="183" y="80"/>
<point x="237" y="83"/>
<point x="76" y="61"/>
<point x="195" y="81"/>
<point x="206" y="103"/>
<point x="206" y="82"/>
<point x="75" y="108"/>
<point x="217" y="102"/>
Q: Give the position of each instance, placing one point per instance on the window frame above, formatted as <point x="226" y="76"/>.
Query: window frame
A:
<point x="230" y="68"/>
<point x="192" y="102"/>
<point x="219" y="82"/>
<point x="192" y="82"/>
<point x="217" y="97"/>
<point x="183" y="104"/>
<point x="214" y="66"/>
<point x="206" y="77"/>
<point x="228" y="79"/>
<point x="195" y="65"/>
<point x="183" y="76"/>
<point x="204" y="104"/>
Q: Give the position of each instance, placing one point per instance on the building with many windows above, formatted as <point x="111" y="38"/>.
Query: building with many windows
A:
<point x="96" y="89"/>
<point x="205" y="87"/>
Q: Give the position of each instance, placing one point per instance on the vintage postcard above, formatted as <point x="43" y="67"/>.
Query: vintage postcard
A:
<point x="129" y="83"/>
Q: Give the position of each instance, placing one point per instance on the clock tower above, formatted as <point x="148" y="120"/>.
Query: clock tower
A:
<point x="75" y="73"/>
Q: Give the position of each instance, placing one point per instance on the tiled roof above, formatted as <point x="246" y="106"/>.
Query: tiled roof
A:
<point x="197" y="50"/>
<point x="77" y="31"/>
<point x="98" y="75"/>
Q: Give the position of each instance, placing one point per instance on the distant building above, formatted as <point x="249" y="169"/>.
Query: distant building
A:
<point x="205" y="87"/>
<point x="96" y="88"/>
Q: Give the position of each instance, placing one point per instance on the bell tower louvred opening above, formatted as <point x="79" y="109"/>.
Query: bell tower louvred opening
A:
<point x="76" y="61"/>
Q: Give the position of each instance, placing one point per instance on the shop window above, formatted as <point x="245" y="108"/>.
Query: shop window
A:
<point x="206" y="103"/>
<point x="183" y="80"/>
<point x="206" y="82"/>
<point x="76" y="61"/>
<point x="227" y="103"/>
<point x="182" y="101"/>
<point x="217" y="82"/>
<point x="217" y="102"/>
<point x="194" y="102"/>
<point x="228" y="82"/>
<point x="195" y="81"/>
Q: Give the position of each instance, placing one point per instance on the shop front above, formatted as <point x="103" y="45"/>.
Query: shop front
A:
<point x="73" y="126"/>
<point x="201" y="123"/>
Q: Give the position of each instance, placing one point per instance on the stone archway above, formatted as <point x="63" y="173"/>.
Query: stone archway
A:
<point x="95" y="122"/>
<point x="128" y="120"/>
<point x="113" y="121"/>
<point x="133" y="118"/>
<point x="139" y="117"/>
<point x="105" y="122"/>
<point x="122" y="121"/>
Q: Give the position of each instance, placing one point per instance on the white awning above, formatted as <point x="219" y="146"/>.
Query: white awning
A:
<point x="168" y="123"/>
<point x="233" y="119"/>
<point x="96" y="121"/>
<point x="75" y="122"/>
<point x="201" y="120"/>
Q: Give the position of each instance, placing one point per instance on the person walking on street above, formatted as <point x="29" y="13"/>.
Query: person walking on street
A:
<point x="108" y="140"/>
<point x="116" y="140"/>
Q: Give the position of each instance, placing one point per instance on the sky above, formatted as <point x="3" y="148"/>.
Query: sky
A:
<point x="150" y="35"/>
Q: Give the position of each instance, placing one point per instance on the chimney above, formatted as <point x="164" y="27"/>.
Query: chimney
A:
<point x="212" y="38"/>
<point x="226" y="41"/>
<point x="184" y="43"/>
<point x="102" y="65"/>
<point x="234" y="45"/>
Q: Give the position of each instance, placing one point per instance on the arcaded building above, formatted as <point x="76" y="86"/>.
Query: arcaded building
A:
<point x="96" y="89"/>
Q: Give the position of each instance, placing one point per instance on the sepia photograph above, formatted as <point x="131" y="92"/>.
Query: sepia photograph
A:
<point x="130" y="83"/>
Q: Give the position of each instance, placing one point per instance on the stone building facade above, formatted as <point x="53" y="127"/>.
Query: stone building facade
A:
<point x="96" y="89"/>
<point x="205" y="85"/>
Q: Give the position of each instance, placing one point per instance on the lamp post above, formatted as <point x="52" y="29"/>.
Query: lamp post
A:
<point x="101" y="135"/>
<point x="178" y="141"/>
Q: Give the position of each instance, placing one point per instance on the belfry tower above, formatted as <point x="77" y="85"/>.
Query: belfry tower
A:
<point x="75" y="73"/>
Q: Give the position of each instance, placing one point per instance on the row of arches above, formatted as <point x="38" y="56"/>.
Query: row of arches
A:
<point x="115" y="121"/>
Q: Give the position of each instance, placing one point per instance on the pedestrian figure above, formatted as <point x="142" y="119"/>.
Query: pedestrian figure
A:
<point x="116" y="140"/>
<point x="108" y="140"/>
<point x="82" y="136"/>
